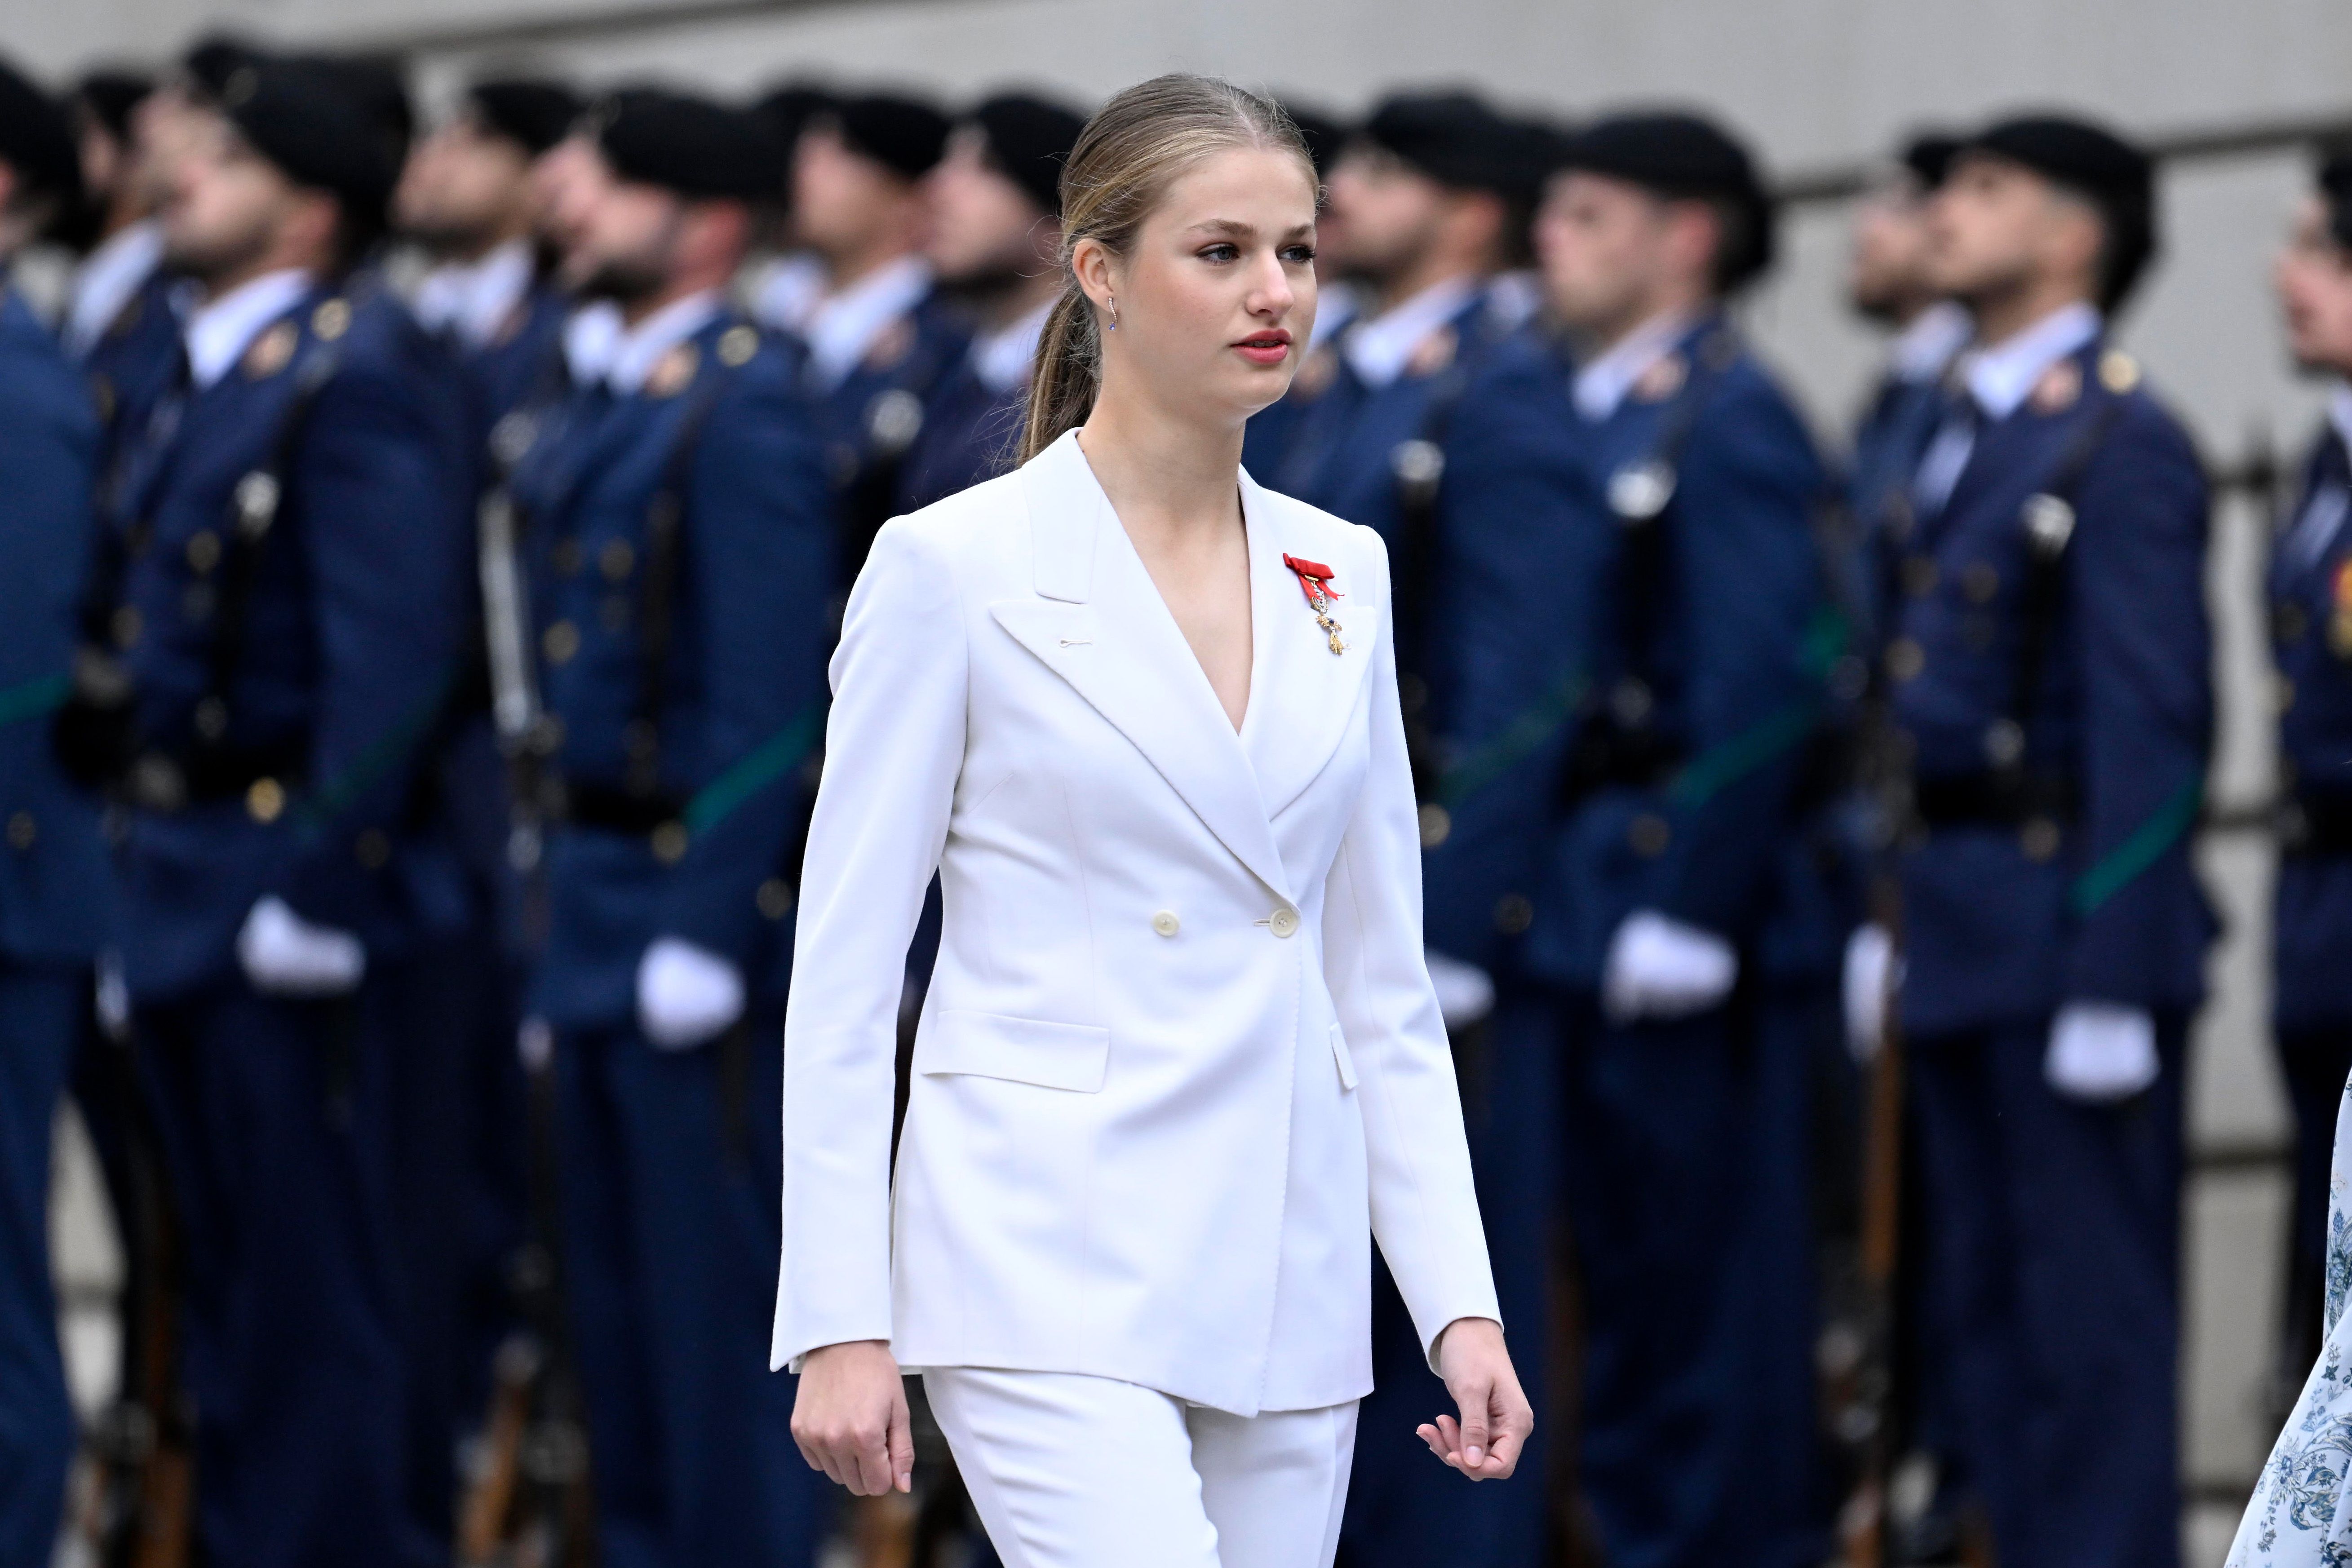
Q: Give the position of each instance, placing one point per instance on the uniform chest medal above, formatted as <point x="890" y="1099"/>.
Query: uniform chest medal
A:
<point x="1315" y="579"/>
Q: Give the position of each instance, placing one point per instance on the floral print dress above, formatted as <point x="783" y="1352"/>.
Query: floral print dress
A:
<point x="2301" y="1515"/>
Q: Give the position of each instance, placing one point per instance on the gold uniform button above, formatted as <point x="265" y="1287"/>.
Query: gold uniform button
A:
<point x="203" y="551"/>
<point x="1166" y="923"/>
<point x="2039" y="839"/>
<point x="1436" y="825"/>
<point x="332" y="320"/>
<point x="2118" y="370"/>
<point x="126" y="625"/>
<point x="372" y="848"/>
<point x="775" y="899"/>
<point x="264" y="801"/>
<point x="1284" y="922"/>
<point x="1980" y="581"/>
<point x="1906" y="659"/>
<point x="616" y="560"/>
<point x="561" y="641"/>
<point x="1649" y="834"/>
<point x="669" y="843"/>
<point x="21" y="830"/>
<point x="1514" y="913"/>
<point x="737" y="345"/>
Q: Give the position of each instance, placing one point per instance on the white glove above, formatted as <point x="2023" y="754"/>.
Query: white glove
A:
<point x="685" y="993"/>
<point x="1660" y="968"/>
<point x="286" y="955"/>
<point x="1465" y="993"/>
<point x="2100" y="1053"/>
<point x="1873" y="976"/>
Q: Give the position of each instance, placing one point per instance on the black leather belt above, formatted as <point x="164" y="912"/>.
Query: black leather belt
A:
<point x="1992" y="800"/>
<point x="617" y="810"/>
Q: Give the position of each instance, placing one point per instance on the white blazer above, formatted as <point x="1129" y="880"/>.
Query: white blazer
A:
<point x="1180" y="1059"/>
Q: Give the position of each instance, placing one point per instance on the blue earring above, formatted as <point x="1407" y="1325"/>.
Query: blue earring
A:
<point x="1111" y="302"/>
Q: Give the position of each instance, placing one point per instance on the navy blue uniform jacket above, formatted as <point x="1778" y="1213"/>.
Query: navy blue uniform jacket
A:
<point x="52" y="883"/>
<point x="1539" y="629"/>
<point x="1999" y="929"/>
<point x="351" y="641"/>
<point x="743" y="686"/>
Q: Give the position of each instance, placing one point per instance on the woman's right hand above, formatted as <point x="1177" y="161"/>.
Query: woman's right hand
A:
<point x="850" y="1417"/>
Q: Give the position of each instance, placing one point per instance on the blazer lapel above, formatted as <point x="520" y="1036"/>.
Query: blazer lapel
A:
<point x="1302" y="695"/>
<point x="1099" y="623"/>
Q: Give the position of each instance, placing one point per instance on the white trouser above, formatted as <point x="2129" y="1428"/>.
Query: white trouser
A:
<point x="1070" y="1471"/>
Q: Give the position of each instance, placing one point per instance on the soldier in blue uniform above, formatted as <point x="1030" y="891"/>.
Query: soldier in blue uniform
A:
<point x="465" y="197"/>
<point x="52" y="880"/>
<point x="1889" y="285"/>
<point x="2310" y="593"/>
<point x="993" y="242"/>
<point x="122" y="321"/>
<point x="678" y="515"/>
<point x="2048" y="659"/>
<point x="880" y="340"/>
<point x="1631" y="588"/>
<point x="280" y="628"/>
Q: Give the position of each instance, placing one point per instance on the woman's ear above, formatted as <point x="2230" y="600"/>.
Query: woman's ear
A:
<point x="1092" y="260"/>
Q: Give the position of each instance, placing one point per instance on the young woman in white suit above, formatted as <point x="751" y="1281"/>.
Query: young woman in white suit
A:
<point x="1180" y="1061"/>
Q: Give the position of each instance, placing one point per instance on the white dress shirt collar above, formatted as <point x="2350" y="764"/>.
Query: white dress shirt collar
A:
<point x="220" y="331"/>
<point x="107" y="278"/>
<point x="1001" y="358"/>
<point x="1923" y="351"/>
<point x="788" y="290"/>
<point x="2000" y="376"/>
<point x="1379" y="350"/>
<point x="641" y="347"/>
<point x="1335" y="306"/>
<point x="844" y="325"/>
<point x="2340" y="411"/>
<point x="476" y="299"/>
<point x="1602" y="385"/>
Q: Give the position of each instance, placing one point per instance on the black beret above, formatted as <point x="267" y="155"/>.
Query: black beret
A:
<point x="686" y="145"/>
<point x="1029" y="140"/>
<point x="377" y="89"/>
<point x="1928" y="156"/>
<point x="2333" y="179"/>
<point x="1681" y="156"/>
<point x="904" y="134"/>
<point x="789" y="106"/>
<point x="1458" y="139"/>
<point x="534" y="115"/>
<point x="1324" y="134"/>
<point x="298" y="115"/>
<point x="37" y="139"/>
<point x="2097" y="164"/>
<point x="212" y="60"/>
<point x="107" y="96"/>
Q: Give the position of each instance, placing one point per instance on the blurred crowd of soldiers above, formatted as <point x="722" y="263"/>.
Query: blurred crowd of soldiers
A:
<point x="419" y="556"/>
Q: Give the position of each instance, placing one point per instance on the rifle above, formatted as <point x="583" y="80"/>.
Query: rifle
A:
<point x="526" y="1499"/>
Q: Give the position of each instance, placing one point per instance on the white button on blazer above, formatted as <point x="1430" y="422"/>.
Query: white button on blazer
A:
<point x="1153" y="1160"/>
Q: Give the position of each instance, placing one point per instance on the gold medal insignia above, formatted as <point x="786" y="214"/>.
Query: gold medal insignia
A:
<point x="2060" y="386"/>
<point x="1662" y="379"/>
<point x="271" y="352"/>
<point x="673" y="371"/>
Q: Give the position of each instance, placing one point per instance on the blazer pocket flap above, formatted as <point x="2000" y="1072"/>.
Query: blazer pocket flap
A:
<point x="1021" y="1051"/>
<point x="1340" y="1054"/>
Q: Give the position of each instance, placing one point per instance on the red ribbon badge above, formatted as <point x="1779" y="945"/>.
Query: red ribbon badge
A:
<point x="1315" y="581"/>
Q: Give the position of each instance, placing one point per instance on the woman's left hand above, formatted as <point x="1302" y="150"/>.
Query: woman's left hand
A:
<point x="1485" y="1443"/>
